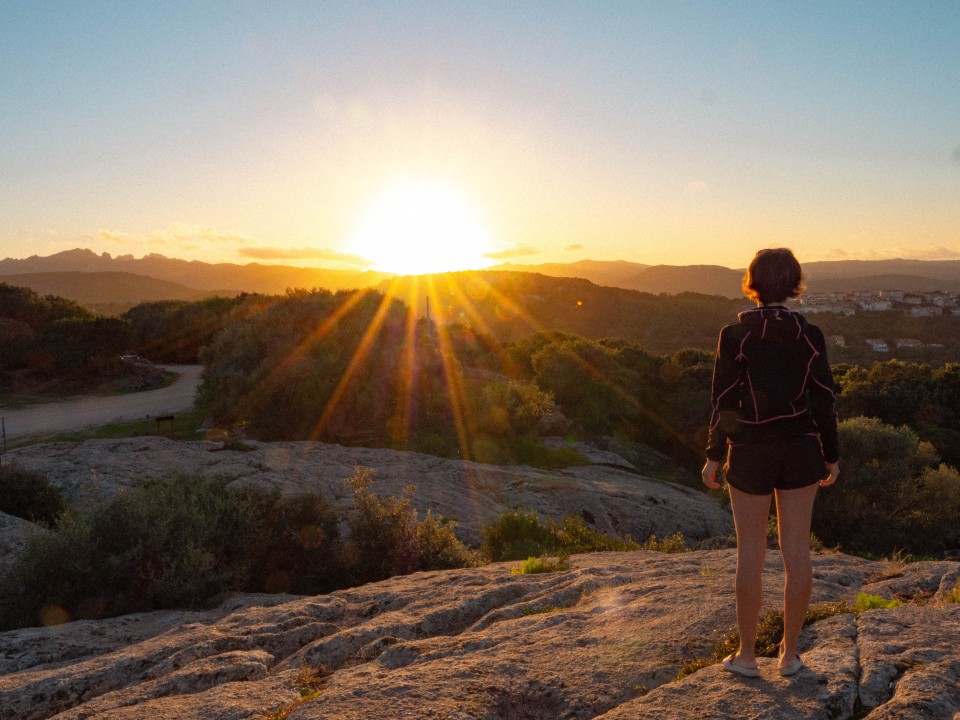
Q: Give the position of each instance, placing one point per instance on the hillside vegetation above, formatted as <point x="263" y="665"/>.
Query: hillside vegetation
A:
<point x="497" y="365"/>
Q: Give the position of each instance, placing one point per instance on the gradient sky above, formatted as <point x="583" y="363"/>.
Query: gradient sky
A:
<point x="657" y="132"/>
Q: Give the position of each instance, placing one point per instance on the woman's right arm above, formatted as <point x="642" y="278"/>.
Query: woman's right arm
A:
<point x="724" y="397"/>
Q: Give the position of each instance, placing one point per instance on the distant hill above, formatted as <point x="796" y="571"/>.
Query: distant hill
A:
<point x="612" y="273"/>
<point x="824" y="276"/>
<point x="209" y="277"/>
<point x="833" y="269"/>
<point x="672" y="279"/>
<point x="916" y="283"/>
<point x="192" y="279"/>
<point x="103" y="288"/>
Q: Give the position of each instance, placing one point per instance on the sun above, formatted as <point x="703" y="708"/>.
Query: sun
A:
<point x="421" y="227"/>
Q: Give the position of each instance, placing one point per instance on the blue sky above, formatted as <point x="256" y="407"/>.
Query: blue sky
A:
<point x="660" y="132"/>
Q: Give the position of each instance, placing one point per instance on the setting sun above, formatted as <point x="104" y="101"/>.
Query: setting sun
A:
<point x="422" y="227"/>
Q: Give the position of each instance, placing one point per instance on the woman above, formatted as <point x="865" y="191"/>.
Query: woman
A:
<point x="774" y="421"/>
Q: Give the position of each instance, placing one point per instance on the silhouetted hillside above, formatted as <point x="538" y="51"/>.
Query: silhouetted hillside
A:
<point x="612" y="273"/>
<point x="511" y="305"/>
<point x="833" y="269"/>
<point x="209" y="277"/>
<point x="916" y="283"/>
<point x="100" y="288"/>
<point x="826" y="276"/>
<point x="202" y="278"/>
<point x="672" y="279"/>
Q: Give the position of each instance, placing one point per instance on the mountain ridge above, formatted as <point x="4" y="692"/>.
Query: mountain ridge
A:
<point x="229" y="278"/>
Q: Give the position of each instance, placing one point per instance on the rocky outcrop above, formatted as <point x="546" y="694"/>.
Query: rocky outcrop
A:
<point x="604" y="639"/>
<point x="609" y="493"/>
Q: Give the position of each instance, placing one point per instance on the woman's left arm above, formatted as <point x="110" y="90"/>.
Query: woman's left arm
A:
<point x="823" y="400"/>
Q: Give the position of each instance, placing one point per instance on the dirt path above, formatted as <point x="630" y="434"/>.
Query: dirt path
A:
<point x="83" y="412"/>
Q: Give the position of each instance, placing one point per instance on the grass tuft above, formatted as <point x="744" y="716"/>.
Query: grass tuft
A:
<point x="769" y="632"/>
<point x="534" y="565"/>
<point x="310" y="687"/>
<point x="670" y="544"/>
<point x="866" y="601"/>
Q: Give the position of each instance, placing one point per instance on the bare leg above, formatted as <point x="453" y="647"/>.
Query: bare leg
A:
<point x="750" y="518"/>
<point x="794" y="509"/>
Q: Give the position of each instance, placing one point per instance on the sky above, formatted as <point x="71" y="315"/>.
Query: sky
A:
<point x="331" y="133"/>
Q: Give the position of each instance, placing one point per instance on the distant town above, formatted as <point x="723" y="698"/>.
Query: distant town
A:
<point x="914" y="304"/>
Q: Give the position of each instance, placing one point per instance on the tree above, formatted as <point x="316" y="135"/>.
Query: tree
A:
<point x="893" y="493"/>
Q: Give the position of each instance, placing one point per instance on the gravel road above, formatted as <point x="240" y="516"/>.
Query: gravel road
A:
<point x="83" y="412"/>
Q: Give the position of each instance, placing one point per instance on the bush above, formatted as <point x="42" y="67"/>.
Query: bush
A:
<point x="866" y="601"/>
<point x="386" y="538"/>
<point x="29" y="495"/>
<point x="533" y="565"/>
<point x="165" y="544"/>
<point x="517" y="535"/>
<point x="183" y="542"/>
<point x="892" y="494"/>
<point x="298" y="548"/>
<point x="670" y="544"/>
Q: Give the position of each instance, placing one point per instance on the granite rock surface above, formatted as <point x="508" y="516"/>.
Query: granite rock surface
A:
<point x="609" y="493"/>
<point x="604" y="639"/>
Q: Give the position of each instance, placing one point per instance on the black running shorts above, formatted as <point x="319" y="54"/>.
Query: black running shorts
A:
<point x="760" y="468"/>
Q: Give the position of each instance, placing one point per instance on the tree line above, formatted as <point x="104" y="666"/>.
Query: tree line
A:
<point x="359" y="367"/>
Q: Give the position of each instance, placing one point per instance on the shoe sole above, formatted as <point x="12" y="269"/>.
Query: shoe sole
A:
<point x="730" y="667"/>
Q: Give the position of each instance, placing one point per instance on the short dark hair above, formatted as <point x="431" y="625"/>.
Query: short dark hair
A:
<point x="773" y="276"/>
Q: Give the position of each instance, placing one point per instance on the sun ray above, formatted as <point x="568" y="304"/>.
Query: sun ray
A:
<point x="313" y="337"/>
<point x="356" y="362"/>
<point x="399" y="423"/>
<point x="453" y="378"/>
<point x="476" y="317"/>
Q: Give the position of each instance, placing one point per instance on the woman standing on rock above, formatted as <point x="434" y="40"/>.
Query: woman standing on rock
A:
<point x="775" y="422"/>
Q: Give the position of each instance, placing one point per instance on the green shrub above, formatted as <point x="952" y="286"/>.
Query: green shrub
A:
<point x="438" y="547"/>
<point x="183" y="542"/>
<point x="574" y="536"/>
<point x="29" y="495"/>
<point x="173" y="543"/>
<point x="386" y="537"/>
<point x="893" y="493"/>
<point x="298" y="548"/>
<point x="670" y="544"/>
<point x="534" y="565"/>
<point x="866" y="601"/>
<point x="517" y="535"/>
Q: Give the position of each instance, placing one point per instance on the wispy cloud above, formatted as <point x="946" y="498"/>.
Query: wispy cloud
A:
<point x="930" y="252"/>
<point x="519" y="251"/>
<point x="303" y="253"/>
<point x="575" y="246"/>
<point x="178" y="237"/>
